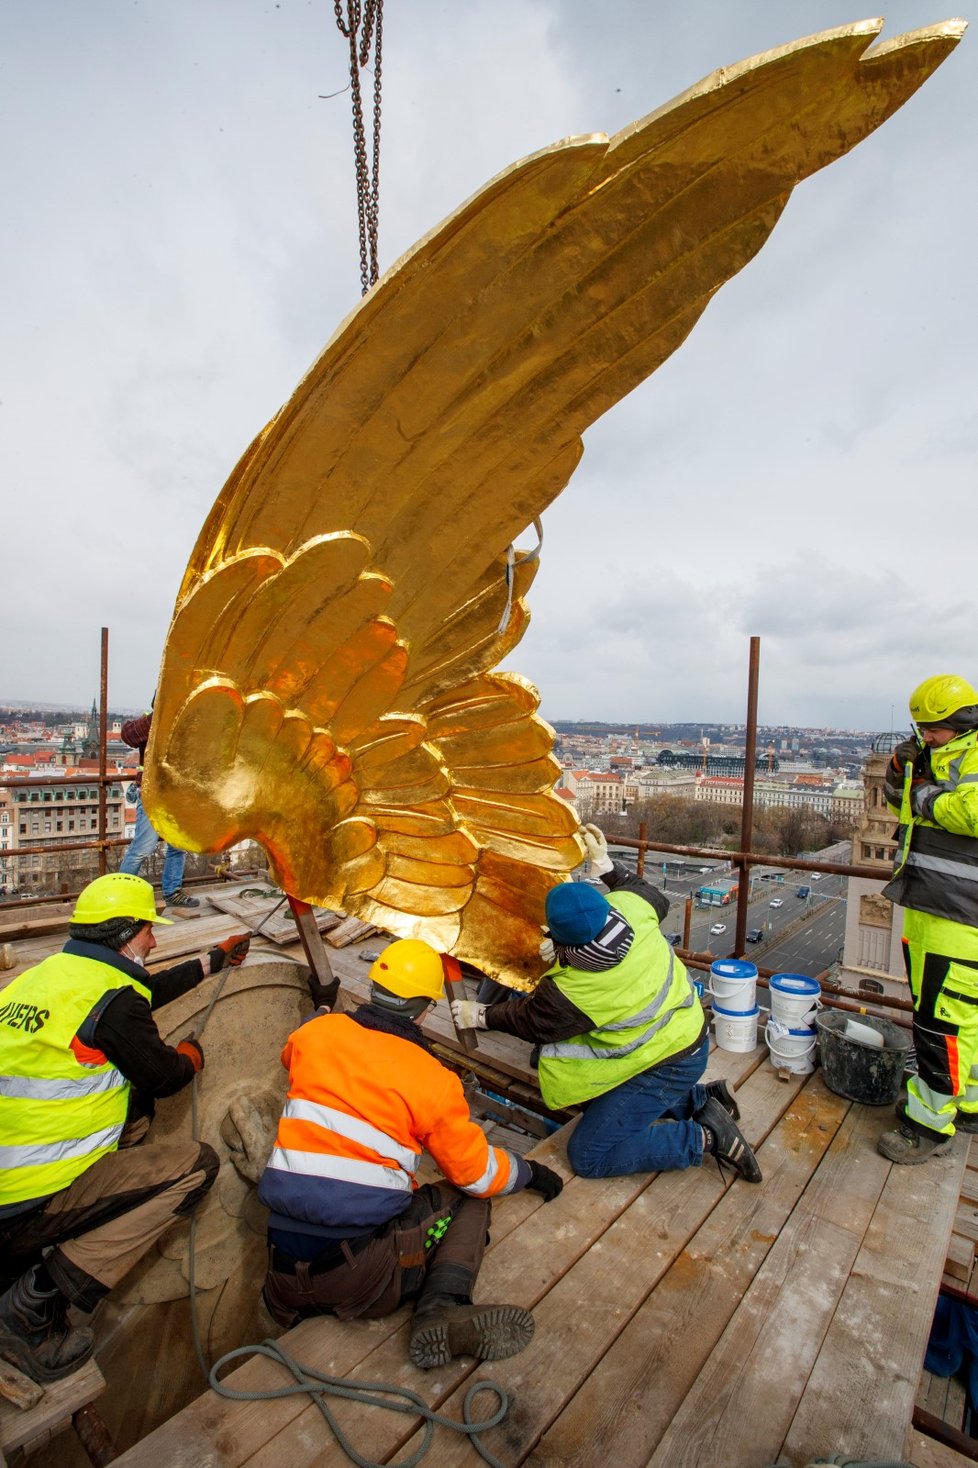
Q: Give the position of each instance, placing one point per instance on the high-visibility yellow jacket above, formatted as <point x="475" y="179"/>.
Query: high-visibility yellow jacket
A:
<point x="644" y="1011"/>
<point x="63" y="1104"/>
<point x="936" y="867"/>
<point x="361" y="1108"/>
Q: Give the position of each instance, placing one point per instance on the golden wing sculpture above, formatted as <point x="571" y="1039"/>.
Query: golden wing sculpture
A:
<point x="327" y="685"/>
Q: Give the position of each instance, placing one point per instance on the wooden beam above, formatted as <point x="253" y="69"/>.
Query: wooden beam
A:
<point x="54" y="1410"/>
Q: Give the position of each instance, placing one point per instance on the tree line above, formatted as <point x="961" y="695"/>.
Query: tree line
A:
<point x="779" y="830"/>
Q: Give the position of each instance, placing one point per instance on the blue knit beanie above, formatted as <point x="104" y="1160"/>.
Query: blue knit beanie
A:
<point x="576" y="913"/>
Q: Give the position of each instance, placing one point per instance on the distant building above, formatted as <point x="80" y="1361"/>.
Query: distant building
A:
<point x="53" y="816"/>
<point x="720" y="789"/>
<point x="654" y="780"/>
<point x="872" y="948"/>
<point x="598" y="794"/>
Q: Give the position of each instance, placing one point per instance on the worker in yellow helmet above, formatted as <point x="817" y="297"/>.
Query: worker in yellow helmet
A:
<point x="350" y="1231"/>
<point x="932" y="782"/>
<point x="81" y="1061"/>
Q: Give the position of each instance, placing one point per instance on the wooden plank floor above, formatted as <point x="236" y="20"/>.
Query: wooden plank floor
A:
<point x="680" y="1319"/>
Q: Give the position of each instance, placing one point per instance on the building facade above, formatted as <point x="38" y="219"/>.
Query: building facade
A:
<point x="53" y="816"/>
<point x="872" y="949"/>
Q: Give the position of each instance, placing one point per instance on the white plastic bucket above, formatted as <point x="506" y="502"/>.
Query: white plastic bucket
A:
<point x="732" y="984"/>
<point x="795" y="1000"/>
<point x="735" y="1031"/>
<point x="791" y="1049"/>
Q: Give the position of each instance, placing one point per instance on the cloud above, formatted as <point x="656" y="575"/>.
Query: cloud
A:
<point x="179" y="243"/>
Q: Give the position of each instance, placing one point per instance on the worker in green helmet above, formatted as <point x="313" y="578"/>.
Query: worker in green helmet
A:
<point x="81" y="1061"/>
<point x="932" y="783"/>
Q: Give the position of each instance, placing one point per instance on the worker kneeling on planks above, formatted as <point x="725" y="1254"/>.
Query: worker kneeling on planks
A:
<point x="81" y="1061"/>
<point x="351" y="1233"/>
<point x="622" y="1032"/>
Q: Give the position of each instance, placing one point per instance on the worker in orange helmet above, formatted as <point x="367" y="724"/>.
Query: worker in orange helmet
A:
<point x="350" y="1231"/>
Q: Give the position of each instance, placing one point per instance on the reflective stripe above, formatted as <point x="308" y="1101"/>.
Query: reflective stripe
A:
<point x="32" y="1088"/>
<point x="43" y="1153"/>
<point x="342" y="1169"/>
<point x="353" y="1128"/>
<point x="485" y="1181"/>
<point x="588" y="1052"/>
<point x="967" y="872"/>
<point x="650" y="1011"/>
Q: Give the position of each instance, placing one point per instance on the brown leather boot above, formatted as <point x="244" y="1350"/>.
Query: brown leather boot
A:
<point x="488" y="1332"/>
<point x="35" y="1335"/>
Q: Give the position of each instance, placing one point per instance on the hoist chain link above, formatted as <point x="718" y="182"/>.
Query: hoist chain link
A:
<point x="363" y="28"/>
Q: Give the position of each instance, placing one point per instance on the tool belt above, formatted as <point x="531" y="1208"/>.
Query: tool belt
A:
<point x="365" y="1276"/>
<point x="334" y="1254"/>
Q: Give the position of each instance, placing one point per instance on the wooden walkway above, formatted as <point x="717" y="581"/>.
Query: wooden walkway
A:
<point x="680" y="1320"/>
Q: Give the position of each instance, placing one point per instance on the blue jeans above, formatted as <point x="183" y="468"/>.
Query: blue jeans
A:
<point x="143" y="844"/>
<point x="644" y="1124"/>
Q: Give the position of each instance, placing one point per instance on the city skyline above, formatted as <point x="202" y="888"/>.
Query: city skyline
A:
<point x="562" y="727"/>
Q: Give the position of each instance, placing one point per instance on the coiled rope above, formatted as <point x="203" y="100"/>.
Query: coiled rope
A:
<point x="317" y="1385"/>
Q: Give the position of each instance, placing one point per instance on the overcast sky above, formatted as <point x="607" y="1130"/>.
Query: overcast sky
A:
<point x="179" y="241"/>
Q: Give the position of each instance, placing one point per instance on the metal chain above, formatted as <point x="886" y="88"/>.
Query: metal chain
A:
<point x="363" y="28"/>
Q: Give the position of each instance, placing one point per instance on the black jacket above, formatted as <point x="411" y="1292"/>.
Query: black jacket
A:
<point x="547" y="1015"/>
<point x="125" y="1030"/>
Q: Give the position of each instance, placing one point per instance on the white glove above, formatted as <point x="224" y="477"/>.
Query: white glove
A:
<point x="547" y="951"/>
<point x="598" y="860"/>
<point x="468" y="1015"/>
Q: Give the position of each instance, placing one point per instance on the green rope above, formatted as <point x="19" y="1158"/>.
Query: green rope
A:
<point x="317" y="1385"/>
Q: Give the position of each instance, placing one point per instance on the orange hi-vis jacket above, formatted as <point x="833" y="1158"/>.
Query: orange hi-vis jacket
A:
<point x="362" y="1105"/>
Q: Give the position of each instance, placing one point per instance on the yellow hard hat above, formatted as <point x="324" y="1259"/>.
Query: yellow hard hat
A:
<point x="938" y="699"/>
<point x="411" y="969"/>
<point x="117" y="895"/>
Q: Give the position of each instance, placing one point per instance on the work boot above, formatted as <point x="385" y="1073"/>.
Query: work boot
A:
<point x="488" y="1332"/>
<point x="181" y="901"/>
<point x="910" y="1147"/>
<point x="35" y="1335"/>
<point x="727" y="1142"/>
<point x="721" y="1092"/>
<point x="966" y="1121"/>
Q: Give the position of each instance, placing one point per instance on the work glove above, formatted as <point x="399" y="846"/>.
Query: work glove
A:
<point x="922" y="798"/>
<point x="598" y="860"/>
<point x="906" y="753"/>
<point x="468" y="1015"/>
<point x="193" y="1052"/>
<point x="545" y="1181"/>
<point x="547" y="951"/>
<point x="323" y="996"/>
<point x="233" y="951"/>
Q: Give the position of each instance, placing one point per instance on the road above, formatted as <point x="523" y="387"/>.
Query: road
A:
<point x="806" y="951"/>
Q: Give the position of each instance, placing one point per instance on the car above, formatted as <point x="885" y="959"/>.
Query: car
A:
<point x="674" y="938"/>
<point x="717" y="929"/>
<point x="756" y="935"/>
<point x="776" y="902"/>
<point x="815" y="877"/>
